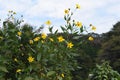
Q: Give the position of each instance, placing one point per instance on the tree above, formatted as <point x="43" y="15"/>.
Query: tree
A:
<point x="110" y="49"/>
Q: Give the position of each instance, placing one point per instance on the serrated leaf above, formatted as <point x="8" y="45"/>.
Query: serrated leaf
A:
<point x="50" y="73"/>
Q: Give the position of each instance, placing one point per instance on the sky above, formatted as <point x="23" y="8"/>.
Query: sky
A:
<point x="101" y="13"/>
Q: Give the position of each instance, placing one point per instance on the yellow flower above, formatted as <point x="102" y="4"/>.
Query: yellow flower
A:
<point x="78" y="24"/>
<point x="48" y="23"/>
<point x="77" y="6"/>
<point x="18" y="70"/>
<point x="62" y="75"/>
<point x="66" y="11"/>
<point x="31" y="41"/>
<point x="36" y="39"/>
<point x="69" y="45"/>
<point x="19" y="33"/>
<point x="60" y="39"/>
<point x="91" y="38"/>
<point x="30" y="59"/>
<point x="15" y="59"/>
<point x="93" y="28"/>
<point x="43" y="35"/>
<point x="51" y="39"/>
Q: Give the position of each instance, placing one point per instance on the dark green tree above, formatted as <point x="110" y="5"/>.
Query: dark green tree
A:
<point x="87" y="53"/>
<point x="110" y="49"/>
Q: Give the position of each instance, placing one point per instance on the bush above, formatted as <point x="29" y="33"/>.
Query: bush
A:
<point x="104" y="72"/>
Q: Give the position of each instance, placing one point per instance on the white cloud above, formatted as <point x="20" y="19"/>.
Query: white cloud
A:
<point x="50" y="8"/>
<point x="35" y="10"/>
<point x="114" y="10"/>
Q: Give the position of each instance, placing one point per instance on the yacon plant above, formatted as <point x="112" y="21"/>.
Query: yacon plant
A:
<point x="28" y="54"/>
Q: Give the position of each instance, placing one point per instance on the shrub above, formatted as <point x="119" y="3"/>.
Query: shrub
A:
<point x="104" y="72"/>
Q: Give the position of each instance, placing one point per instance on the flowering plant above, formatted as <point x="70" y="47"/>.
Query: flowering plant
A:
<point x="26" y="54"/>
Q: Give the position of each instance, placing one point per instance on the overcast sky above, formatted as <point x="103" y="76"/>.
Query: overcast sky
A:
<point x="101" y="13"/>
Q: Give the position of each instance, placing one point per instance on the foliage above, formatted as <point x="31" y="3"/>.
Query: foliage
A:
<point x="110" y="49"/>
<point x="87" y="53"/>
<point x="113" y="32"/>
<point x="104" y="72"/>
<point x="26" y="54"/>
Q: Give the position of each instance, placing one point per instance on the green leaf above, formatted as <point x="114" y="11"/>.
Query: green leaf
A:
<point x="31" y="48"/>
<point x="30" y="68"/>
<point x="50" y="29"/>
<point x="69" y="27"/>
<point x="29" y="78"/>
<point x="50" y="73"/>
<point x="38" y="56"/>
<point x="81" y="29"/>
<point x="60" y="78"/>
<point x="69" y="18"/>
<point x="13" y="30"/>
<point x="39" y="44"/>
<point x="2" y="68"/>
<point x="65" y="17"/>
<point x="56" y="31"/>
<point x="63" y="29"/>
